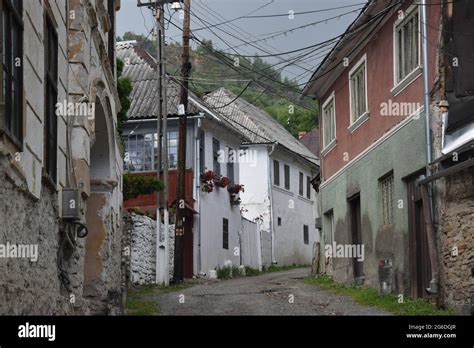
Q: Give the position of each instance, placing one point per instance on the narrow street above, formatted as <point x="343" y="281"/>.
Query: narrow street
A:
<point x="267" y="294"/>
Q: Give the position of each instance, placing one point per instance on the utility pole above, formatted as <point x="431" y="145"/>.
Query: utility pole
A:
<point x="159" y="68"/>
<point x="181" y="189"/>
<point x="162" y="244"/>
<point x="164" y="83"/>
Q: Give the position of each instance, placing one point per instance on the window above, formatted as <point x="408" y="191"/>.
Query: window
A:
<point x="142" y="151"/>
<point x="387" y="199"/>
<point x="279" y="221"/>
<point x="305" y="234"/>
<point x="51" y="99"/>
<point x="276" y="173"/>
<point x="111" y="34"/>
<point x="358" y="90"/>
<point x="301" y="184"/>
<point x="172" y="149"/>
<point x="202" y="151"/>
<point x="225" y="234"/>
<point x="407" y="45"/>
<point x="308" y="187"/>
<point x="11" y="69"/>
<point x="287" y="176"/>
<point x="329" y="120"/>
<point x="230" y="164"/>
<point x="215" y="153"/>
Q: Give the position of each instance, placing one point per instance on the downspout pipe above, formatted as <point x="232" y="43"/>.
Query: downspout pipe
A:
<point x="197" y="171"/>
<point x="272" y="227"/>
<point x="426" y="190"/>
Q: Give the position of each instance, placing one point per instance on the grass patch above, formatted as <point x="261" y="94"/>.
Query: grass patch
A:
<point x="370" y="297"/>
<point x="234" y="271"/>
<point x="141" y="299"/>
<point x="273" y="268"/>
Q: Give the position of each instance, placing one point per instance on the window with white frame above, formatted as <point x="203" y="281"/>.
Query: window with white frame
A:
<point x="407" y="44"/>
<point x="358" y="90"/>
<point x="329" y="121"/>
<point x="141" y="151"/>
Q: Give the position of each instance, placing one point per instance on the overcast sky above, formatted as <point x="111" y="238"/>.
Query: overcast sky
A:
<point x="140" y="21"/>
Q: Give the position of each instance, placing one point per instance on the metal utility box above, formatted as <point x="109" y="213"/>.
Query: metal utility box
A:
<point x="317" y="223"/>
<point x="385" y="277"/>
<point x="71" y="204"/>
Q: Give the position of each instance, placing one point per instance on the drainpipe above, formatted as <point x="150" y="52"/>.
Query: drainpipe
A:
<point x="272" y="229"/>
<point x="197" y="171"/>
<point x="426" y="190"/>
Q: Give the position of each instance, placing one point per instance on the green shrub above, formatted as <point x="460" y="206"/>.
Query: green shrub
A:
<point x="224" y="272"/>
<point x="136" y="185"/>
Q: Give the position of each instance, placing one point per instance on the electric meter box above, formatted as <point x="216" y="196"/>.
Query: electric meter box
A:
<point x="71" y="202"/>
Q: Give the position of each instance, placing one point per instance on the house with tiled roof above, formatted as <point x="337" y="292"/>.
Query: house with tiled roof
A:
<point x="279" y="193"/>
<point x="215" y="231"/>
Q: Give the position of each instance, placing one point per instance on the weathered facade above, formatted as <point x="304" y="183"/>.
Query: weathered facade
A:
<point x="58" y="132"/>
<point x="453" y="149"/>
<point x="372" y="145"/>
<point x="373" y="116"/>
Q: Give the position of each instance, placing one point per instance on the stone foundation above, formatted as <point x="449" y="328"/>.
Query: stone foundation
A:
<point x="457" y="236"/>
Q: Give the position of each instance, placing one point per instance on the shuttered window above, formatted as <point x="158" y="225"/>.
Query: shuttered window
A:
<point x="301" y="184"/>
<point x="305" y="234"/>
<point x="276" y="173"/>
<point x="230" y="164"/>
<point x="329" y="120"/>
<point x="225" y="234"/>
<point x="287" y="176"/>
<point x="51" y="99"/>
<point x="308" y="187"/>
<point x="358" y="91"/>
<point x="407" y="45"/>
<point x="11" y="69"/>
<point x="215" y="152"/>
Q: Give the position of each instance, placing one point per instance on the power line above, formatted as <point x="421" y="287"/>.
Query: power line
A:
<point x="233" y="100"/>
<point x="240" y="30"/>
<point x="276" y="15"/>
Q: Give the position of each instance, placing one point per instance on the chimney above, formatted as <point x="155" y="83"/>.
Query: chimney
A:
<point x="301" y="134"/>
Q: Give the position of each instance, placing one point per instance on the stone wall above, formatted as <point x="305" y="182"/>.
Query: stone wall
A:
<point x="26" y="287"/>
<point x="457" y="240"/>
<point x="142" y="231"/>
<point x="30" y="204"/>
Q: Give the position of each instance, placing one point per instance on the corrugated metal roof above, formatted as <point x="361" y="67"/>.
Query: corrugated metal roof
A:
<point x="256" y="124"/>
<point x="139" y="68"/>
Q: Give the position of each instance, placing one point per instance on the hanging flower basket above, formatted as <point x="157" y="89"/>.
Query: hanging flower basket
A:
<point x="223" y="182"/>
<point x="235" y="189"/>
<point x="208" y="176"/>
<point x="235" y="199"/>
<point x="207" y="181"/>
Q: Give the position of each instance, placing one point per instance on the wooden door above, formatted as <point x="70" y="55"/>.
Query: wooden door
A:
<point x="356" y="235"/>
<point x="420" y="268"/>
<point x="188" y="247"/>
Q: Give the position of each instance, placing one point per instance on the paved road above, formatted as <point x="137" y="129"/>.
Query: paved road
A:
<point x="267" y="294"/>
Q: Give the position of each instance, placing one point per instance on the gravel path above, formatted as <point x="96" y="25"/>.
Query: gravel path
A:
<point x="268" y="294"/>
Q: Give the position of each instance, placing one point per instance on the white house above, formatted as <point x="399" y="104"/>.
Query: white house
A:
<point x="215" y="231"/>
<point x="277" y="178"/>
